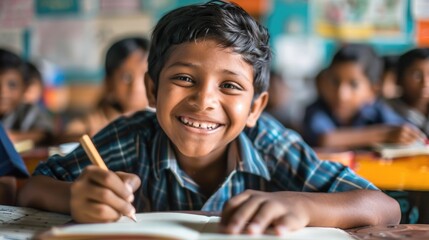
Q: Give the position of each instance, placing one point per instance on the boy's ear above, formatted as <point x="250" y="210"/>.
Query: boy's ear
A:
<point x="256" y="109"/>
<point x="150" y="90"/>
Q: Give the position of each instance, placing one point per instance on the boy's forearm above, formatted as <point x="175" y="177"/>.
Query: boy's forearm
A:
<point x="353" y="137"/>
<point x="7" y="190"/>
<point x="46" y="193"/>
<point x="353" y="209"/>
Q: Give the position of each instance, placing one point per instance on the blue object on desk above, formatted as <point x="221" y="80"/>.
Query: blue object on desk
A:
<point x="11" y="163"/>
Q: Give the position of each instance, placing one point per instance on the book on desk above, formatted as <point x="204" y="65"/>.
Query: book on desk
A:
<point x="27" y="223"/>
<point x="175" y="226"/>
<point x="391" y="151"/>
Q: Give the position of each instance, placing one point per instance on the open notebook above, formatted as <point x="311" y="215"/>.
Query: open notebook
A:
<point x="173" y="226"/>
<point x="390" y="151"/>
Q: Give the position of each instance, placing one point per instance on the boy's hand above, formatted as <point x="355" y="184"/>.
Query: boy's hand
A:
<point x="102" y="196"/>
<point x="254" y="211"/>
<point x="405" y="134"/>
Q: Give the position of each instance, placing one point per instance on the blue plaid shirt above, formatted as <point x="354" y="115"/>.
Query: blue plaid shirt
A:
<point x="268" y="158"/>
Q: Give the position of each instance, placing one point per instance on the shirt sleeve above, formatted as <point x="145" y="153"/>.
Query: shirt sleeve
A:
<point x="117" y="145"/>
<point x="316" y="123"/>
<point x="388" y="115"/>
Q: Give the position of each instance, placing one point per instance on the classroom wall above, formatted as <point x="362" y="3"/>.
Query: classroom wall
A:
<point x="68" y="38"/>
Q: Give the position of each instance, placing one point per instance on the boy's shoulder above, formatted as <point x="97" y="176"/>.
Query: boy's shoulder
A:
<point x="271" y="134"/>
<point x="143" y="123"/>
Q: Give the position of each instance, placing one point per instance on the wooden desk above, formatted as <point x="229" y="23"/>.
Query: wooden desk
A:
<point x="34" y="156"/>
<point x="402" y="231"/>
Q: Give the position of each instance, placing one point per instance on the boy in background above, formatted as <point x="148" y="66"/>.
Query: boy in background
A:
<point x="348" y="113"/>
<point x="413" y="79"/>
<point x="208" y="73"/>
<point x="22" y="121"/>
<point x="124" y="90"/>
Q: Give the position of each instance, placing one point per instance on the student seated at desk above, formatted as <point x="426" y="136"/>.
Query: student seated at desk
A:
<point x="348" y="113"/>
<point x="208" y="81"/>
<point x="413" y="79"/>
<point x="124" y="90"/>
<point x="22" y="121"/>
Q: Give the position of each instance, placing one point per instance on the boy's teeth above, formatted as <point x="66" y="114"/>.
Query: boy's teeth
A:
<point x="203" y="125"/>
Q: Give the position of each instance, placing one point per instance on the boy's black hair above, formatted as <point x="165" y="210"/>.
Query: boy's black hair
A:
<point x="120" y="50"/>
<point x="226" y="23"/>
<point x="390" y="62"/>
<point x="11" y="61"/>
<point x="33" y="72"/>
<point x="407" y="59"/>
<point x="363" y="55"/>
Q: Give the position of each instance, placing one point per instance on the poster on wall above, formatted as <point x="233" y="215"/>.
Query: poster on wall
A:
<point x="67" y="42"/>
<point x="421" y="17"/>
<point x="359" y="20"/>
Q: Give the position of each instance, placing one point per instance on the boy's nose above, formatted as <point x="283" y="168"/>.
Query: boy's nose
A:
<point x="342" y="93"/>
<point x="204" y="98"/>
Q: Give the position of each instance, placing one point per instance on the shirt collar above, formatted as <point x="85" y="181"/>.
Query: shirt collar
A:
<point x="242" y="157"/>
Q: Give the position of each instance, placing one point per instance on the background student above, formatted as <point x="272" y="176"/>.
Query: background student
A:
<point x="23" y="121"/>
<point x="208" y="80"/>
<point x="413" y="79"/>
<point x="348" y="112"/>
<point x="124" y="90"/>
<point x="34" y="92"/>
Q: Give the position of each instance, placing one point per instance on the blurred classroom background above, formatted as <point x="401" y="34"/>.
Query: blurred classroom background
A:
<point x="67" y="39"/>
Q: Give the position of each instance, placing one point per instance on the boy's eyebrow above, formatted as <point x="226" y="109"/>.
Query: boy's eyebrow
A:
<point x="192" y="65"/>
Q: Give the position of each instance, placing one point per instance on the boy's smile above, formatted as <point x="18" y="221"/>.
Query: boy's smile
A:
<point x="204" y="99"/>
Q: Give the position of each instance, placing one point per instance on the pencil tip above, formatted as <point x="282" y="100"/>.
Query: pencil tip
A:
<point x="133" y="217"/>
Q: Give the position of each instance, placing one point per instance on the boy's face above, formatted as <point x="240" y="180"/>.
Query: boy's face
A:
<point x="12" y="89"/>
<point x="127" y="83"/>
<point x="415" y="83"/>
<point x="204" y="98"/>
<point x="346" y="90"/>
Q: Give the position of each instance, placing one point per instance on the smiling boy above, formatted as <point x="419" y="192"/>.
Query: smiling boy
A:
<point x="207" y="78"/>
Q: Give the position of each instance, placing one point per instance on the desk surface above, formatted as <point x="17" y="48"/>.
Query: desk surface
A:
<point x="402" y="231"/>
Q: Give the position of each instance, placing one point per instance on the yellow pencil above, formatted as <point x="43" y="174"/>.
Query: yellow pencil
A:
<point x="96" y="159"/>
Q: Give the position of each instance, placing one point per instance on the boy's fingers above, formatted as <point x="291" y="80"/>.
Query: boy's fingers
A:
<point x="230" y="207"/>
<point x="131" y="179"/>
<point x="264" y="216"/>
<point x="107" y="197"/>
<point x="288" y="222"/>
<point x="242" y="214"/>
<point x="111" y="181"/>
<point x="99" y="213"/>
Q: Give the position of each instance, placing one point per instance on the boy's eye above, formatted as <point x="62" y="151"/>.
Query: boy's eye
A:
<point x="231" y="86"/>
<point x="416" y="75"/>
<point x="184" y="78"/>
<point x="12" y="84"/>
<point x="126" y="78"/>
<point x="354" y="84"/>
<point x="183" y="81"/>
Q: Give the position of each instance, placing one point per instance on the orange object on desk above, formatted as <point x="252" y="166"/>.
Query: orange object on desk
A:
<point x="407" y="173"/>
